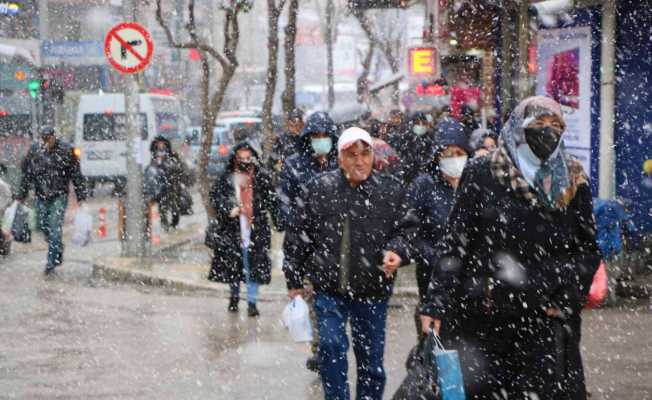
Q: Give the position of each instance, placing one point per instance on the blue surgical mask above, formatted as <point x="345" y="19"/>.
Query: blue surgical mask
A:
<point x="321" y="146"/>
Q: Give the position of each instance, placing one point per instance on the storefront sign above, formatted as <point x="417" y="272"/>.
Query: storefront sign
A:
<point x="422" y="61"/>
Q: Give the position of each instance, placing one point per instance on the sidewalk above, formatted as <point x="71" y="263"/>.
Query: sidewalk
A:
<point x="181" y="262"/>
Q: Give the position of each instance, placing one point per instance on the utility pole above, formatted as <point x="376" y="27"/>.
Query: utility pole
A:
<point x="134" y="243"/>
<point x="330" y="13"/>
<point x="607" y="174"/>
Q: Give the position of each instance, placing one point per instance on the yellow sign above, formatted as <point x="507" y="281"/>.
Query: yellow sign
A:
<point x="422" y="61"/>
<point x="20" y="75"/>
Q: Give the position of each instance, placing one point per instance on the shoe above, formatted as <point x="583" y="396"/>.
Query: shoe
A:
<point x="252" y="311"/>
<point x="312" y="364"/>
<point x="50" y="271"/>
<point x="233" y="304"/>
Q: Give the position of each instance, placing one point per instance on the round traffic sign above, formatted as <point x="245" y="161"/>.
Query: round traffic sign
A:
<point x="129" y="47"/>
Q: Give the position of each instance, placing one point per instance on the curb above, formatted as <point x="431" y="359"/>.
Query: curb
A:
<point x="127" y="272"/>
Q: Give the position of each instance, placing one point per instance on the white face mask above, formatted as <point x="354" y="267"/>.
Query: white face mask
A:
<point x="453" y="166"/>
<point x="419" y="130"/>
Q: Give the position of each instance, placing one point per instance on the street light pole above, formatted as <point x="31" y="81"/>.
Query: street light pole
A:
<point x="134" y="243"/>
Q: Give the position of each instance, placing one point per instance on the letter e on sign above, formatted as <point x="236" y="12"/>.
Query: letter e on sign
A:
<point x="422" y="61"/>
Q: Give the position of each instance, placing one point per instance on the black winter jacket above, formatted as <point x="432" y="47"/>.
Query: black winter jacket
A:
<point x="431" y="199"/>
<point x="50" y="172"/>
<point x="502" y="257"/>
<point x="227" y="265"/>
<point x="375" y="213"/>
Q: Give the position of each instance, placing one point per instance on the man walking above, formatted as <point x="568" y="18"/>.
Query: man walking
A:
<point x="316" y="154"/>
<point x="289" y="142"/>
<point x="48" y="168"/>
<point x="352" y="242"/>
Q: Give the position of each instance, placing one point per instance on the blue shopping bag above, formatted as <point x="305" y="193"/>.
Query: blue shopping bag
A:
<point x="449" y="372"/>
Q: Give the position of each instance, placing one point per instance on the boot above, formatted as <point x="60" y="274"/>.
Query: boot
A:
<point x="312" y="364"/>
<point x="233" y="304"/>
<point x="252" y="311"/>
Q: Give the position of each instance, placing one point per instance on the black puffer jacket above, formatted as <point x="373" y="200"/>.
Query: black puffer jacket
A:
<point x="431" y="198"/>
<point x="375" y="213"/>
<point x="226" y="265"/>
<point x="504" y="258"/>
<point x="50" y="172"/>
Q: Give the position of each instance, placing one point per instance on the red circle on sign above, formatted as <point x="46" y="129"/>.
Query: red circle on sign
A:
<point x="114" y="35"/>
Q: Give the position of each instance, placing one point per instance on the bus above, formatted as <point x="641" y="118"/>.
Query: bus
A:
<point x="17" y="109"/>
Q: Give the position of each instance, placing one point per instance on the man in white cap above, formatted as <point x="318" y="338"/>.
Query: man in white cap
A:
<point x="352" y="238"/>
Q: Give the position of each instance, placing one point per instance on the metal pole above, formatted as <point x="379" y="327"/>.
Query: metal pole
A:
<point x="134" y="243"/>
<point x="330" y="76"/>
<point x="607" y="182"/>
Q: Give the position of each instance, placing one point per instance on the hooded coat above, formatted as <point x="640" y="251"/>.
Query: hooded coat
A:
<point x="300" y="168"/>
<point x="506" y="259"/>
<point x="431" y="197"/>
<point x="226" y="264"/>
<point x="168" y="184"/>
<point x="414" y="151"/>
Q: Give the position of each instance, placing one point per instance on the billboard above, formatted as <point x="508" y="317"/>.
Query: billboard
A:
<point x="564" y="73"/>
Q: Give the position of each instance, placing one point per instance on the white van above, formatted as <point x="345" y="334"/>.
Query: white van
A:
<point x="100" y="133"/>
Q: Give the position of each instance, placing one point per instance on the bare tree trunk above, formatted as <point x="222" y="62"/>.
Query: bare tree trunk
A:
<point x="210" y="105"/>
<point x="330" y="11"/>
<point x="384" y="45"/>
<point x="273" y="14"/>
<point x="289" y="94"/>
<point x="362" y="86"/>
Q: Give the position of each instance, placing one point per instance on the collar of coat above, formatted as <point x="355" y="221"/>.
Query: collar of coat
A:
<point x="506" y="173"/>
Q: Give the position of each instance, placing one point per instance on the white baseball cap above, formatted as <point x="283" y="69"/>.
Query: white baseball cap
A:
<point x="352" y="135"/>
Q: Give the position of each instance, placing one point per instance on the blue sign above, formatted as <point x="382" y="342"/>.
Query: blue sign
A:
<point x="9" y="8"/>
<point x="70" y="49"/>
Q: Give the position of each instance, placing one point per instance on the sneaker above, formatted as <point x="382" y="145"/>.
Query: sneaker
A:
<point x="252" y="311"/>
<point x="312" y="364"/>
<point x="233" y="304"/>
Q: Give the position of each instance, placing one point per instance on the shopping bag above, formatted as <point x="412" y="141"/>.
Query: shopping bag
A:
<point x="212" y="235"/>
<point x="421" y="380"/>
<point x="449" y="372"/>
<point x="296" y="317"/>
<point x="21" y="228"/>
<point x="8" y="218"/>
<point x="83" y="226"/>
<point x="185" y="201"/>
<point x="599" y="287"/>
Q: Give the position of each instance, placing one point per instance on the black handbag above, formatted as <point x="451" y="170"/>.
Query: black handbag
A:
<point x="185" y="202"/>
<point x="421" y="380"/>
<point x="212" y="237"/>
<point x="20" y="228"/>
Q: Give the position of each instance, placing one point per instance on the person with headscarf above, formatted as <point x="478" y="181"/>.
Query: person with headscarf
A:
<point x="516" y="264"/>
<point x="482" y="142"/>
<point x="430" y="197"/>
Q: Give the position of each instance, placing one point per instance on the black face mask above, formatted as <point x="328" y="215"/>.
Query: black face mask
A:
<point x="542" y="141"/>
<point x="244" y="166"/>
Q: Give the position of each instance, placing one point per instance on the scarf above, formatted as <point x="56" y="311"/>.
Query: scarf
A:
<point x="551" y="184"/>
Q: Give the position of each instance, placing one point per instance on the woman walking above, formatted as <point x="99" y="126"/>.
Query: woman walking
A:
<point x="243" y="198"/>
<point x="517" y="262"/>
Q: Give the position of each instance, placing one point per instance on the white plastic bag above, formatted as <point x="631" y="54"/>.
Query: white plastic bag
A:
<point x="8" y="218"/>
<point x="83" y="226"/>
<point x="296" y="317"/>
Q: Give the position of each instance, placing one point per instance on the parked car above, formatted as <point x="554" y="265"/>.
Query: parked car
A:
<point x="219" y="151"/>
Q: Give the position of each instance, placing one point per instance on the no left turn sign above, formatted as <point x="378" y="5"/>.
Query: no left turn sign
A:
<point x="128" y="47"/>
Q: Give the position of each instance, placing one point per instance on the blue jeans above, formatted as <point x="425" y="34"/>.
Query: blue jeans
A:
<point x="252" y="287"/>
<point x="368" y="334"/>
<point x="49" y="218"/>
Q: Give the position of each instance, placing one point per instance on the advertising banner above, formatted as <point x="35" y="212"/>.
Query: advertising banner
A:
<point x="564" y="73"/>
